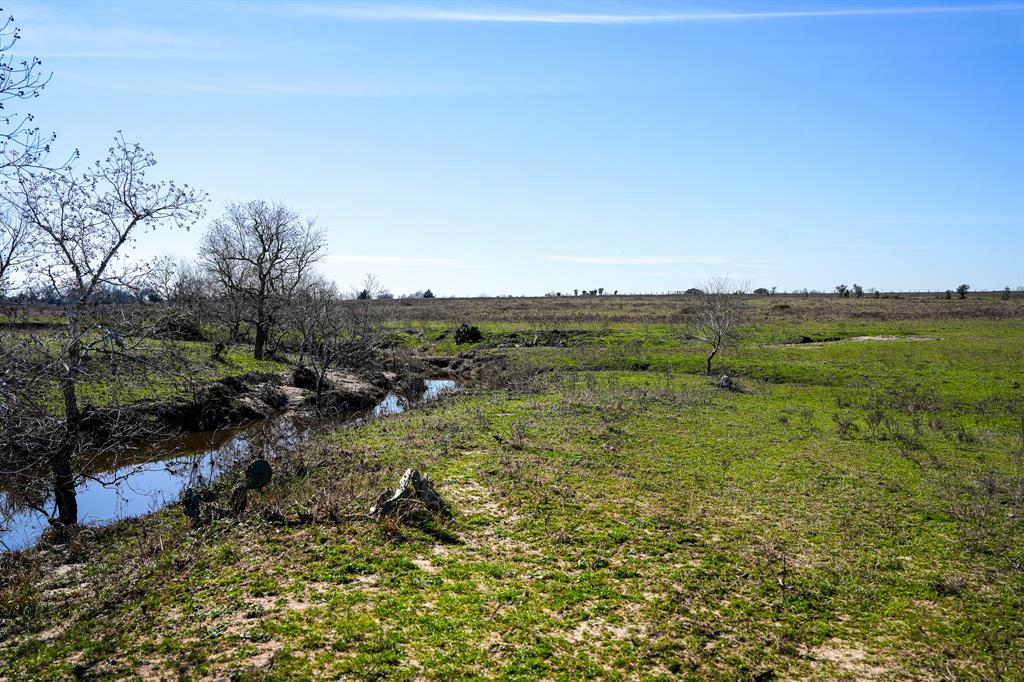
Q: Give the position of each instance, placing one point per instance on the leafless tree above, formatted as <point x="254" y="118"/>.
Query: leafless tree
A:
<point x="367" y="310"/>
<point x="260" y="255"/>
<point x="13" y="245"/>
<point x="82" y="228"/>
<point x="181" y="288"/>
<point x="716" y="316"/>
<point x="22" y="144"/>
<point x="314" y="305"/>
<point x="321" y="326"/>
<point x="338" y="331"/>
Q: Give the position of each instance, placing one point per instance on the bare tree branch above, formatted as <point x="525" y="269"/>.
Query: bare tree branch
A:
<point x="717" y="314"/>
<point x="261" y="255"/>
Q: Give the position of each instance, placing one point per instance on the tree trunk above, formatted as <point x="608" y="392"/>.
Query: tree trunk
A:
<point x="261" y="341"/>
<point x="710" y="358"/>
<point x="61" y="461"/>
<point x="64" y="484"/>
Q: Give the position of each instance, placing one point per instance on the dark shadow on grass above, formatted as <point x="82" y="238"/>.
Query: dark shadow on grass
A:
<point x="439" y="532"/>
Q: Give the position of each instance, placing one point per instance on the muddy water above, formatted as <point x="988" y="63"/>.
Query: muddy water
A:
<point x="143" y="480"/>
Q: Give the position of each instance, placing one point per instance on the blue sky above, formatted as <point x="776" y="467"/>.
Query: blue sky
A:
<point x="526" y="147"/>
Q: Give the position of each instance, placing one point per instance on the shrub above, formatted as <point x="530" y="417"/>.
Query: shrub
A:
<point x="467" y="333"/>
<point x="846" y="427"/>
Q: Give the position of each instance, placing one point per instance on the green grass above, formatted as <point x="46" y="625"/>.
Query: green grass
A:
<point x="193" y="368"/>
<point x="616" y="516"/>
<point x="160" y="371"/>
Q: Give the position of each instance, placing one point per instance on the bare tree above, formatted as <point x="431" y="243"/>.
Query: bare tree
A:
<point x="260" y="255"/>
<point x="336" y="330"/>
<point x="82" y="227"/>
<point x="317" y="318"/>
<point x="319" y="298"/>
<point x="22" y="144"/>
<point x="182" y="289"/>
<point x="14" y="250"/>
<point x="716" y="316"/>
<point x="367" y="310"/>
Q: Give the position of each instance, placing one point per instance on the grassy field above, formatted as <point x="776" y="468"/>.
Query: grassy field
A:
<point x="192" y="368"/>
<point x="161" y="370"/>
<point x="571" y="310"/>
<point x="857" y="512"/>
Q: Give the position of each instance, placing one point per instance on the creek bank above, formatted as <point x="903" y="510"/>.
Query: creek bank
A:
<point x="134" y="481"/>
<point x="257" y="396"/>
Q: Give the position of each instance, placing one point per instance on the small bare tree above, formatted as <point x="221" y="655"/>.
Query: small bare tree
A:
<point x="14" y="250"/>
<point x="261" y="254"/>
<point x="367" y="310"/>
<point x="317" y="318"/>
<point x="338" y="331"/>
<point x="316" y="303"/>
<point x="716" y="316"/>
<point x="81" y="230"/>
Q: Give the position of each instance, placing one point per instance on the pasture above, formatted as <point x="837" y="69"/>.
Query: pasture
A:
<point x="855" y="510"/>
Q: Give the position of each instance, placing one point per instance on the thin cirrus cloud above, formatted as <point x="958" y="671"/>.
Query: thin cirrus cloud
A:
<point x="58" y="39"/>
<point x="512" y="14"/>
<point x="638" y="260"/>
<point x="422" y="261"/>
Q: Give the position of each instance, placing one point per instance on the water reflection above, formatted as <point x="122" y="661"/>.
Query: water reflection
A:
<point x="142" y="480"/>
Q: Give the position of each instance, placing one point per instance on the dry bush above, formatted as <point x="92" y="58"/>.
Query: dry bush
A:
<point x="515" y="377"/>
<point x="19" y="597"/>
<point x="846" y="427"/>
<point x="989" y="507"/>
<point x="518" y="432"/>
<point x="319" y="484"/>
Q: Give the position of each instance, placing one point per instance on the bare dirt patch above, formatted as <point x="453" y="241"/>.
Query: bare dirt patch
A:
<point x="850" y="660"/>
<point x="807" y="342"/>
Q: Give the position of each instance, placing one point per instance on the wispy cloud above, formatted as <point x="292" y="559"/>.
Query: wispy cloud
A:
<point x="638" y="260"/>
<point x="139" y="83"/>
<point x="421" y="261"/>
<point x="512" y="14"/>
<point x="57" y="38"/>
<point x="271" y="89"/>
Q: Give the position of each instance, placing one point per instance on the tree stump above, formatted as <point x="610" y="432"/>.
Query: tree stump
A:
<point x="414" y="497"/>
